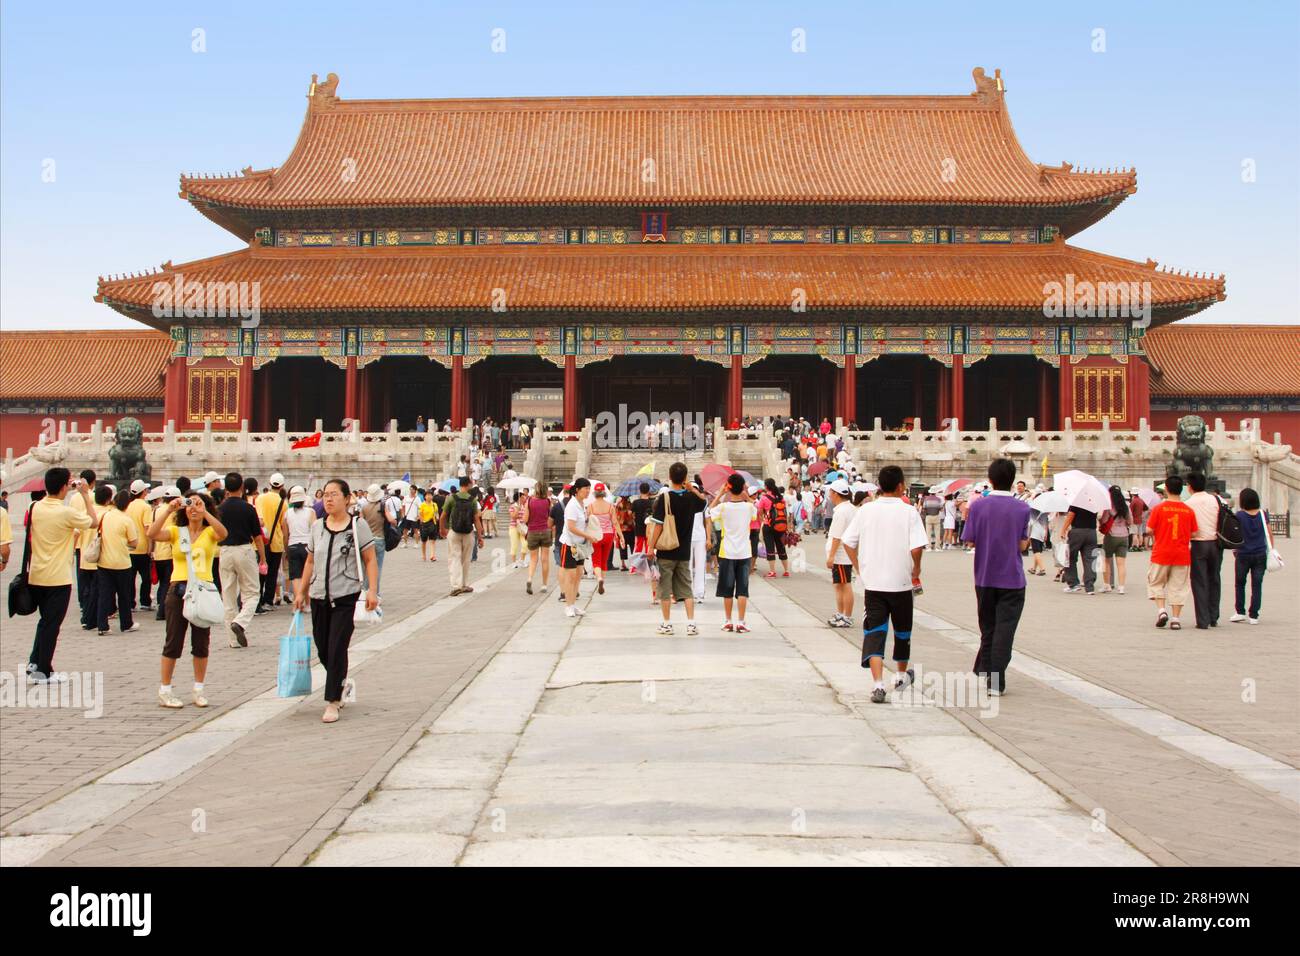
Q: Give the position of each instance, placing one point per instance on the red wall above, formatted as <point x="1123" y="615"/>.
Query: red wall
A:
<point x="1288" y="423"/>
<point x="21" y="432"/>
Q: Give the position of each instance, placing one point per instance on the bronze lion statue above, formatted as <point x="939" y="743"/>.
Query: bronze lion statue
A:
<point x="1193" y="455"/>
<point x="127" y="453"/>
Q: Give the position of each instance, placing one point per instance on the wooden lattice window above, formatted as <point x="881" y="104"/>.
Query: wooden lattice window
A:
<point x="214" y="394"/>
<point x="1099" y="394"/>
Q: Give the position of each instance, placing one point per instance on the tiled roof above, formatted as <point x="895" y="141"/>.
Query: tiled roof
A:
<point x="83" y="365"/>
<point x="662" y="277"/>
<point x="1239" y="360"/>
<point x="705" y="150"/>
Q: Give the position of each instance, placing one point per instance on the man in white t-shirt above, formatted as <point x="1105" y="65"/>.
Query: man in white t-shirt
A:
<point x="732" y="512"/>
<point x="837" y="558"/>
<point x="886" y="540"/>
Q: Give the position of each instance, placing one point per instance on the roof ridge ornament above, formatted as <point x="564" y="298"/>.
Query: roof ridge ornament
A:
<point x="323" y="95"/>
<point x="987" y="87"/>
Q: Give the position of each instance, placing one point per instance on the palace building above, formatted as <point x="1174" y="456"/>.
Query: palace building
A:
<point x="892" y="257"/>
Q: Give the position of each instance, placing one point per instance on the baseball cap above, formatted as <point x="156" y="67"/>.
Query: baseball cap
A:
<point x="598" y="487"/>
<point x="277" y="480"/>
<point x="210" y="477"/>
<point x="860" y="486"/>
<point x="841" y="487"/>
<point x="374" y="493"/>
<point x="156" y="493"/>
<point x="138" y="486"/>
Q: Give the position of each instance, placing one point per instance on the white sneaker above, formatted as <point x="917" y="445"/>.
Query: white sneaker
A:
<point x="1252" y="620"/>
<point x="1121" y="591"/>
<point x="58" y="677"/>
<point x="665" y="628"/>
<point x="1237" y="618"/>
<point x="170" y="701"/>
<point x="545" y="587"/>
<point x="570" y="611"/>
<point x="692" y="630"/>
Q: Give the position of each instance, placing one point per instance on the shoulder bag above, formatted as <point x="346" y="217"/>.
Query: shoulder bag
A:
<point x="92" y="551"/>
<point x="667" y="540"/>
<point x="359" y="614"/>
<point x="1274" y="556"/>
<point x="202" y="605"/>
<point x="21" y="599"/>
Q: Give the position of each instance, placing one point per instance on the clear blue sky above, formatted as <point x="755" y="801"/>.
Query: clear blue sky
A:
<point x="114" y="95"/>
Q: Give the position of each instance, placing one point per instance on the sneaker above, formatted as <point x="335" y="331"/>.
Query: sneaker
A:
<point x="729" y="626"/>
<point x="1162" y="619"/>
<point x="58" y="677"/>
<point x="240" y="637"/>
<point x="260" y="609"/>
<point x="570" y="611"/>
<point x="665" y="628"/>
<point x="132" y="629"/>
<point x="35" y="677"/>
<point x="103" y="631"/>
<point x="692" y="630"/>
<point x="742" y="627"/>
<point x="91" y="627"/>
<point x="904" y="680"/>
<point x="1120" y="589"/>
<point x="545" y="588"/>
<point x="579" y="611"/>
<point x="1252" y="620"/>
<point x="199" y="699"/>
<point x="1073" y="589"/>
<point x="1237" y="618"/>
<point x="878" y="695"/>
<point x="170" y="701"/>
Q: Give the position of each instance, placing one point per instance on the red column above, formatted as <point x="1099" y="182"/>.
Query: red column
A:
<point x="262" y="380"/>
<point x="735" y="389"/>
<point x="1044" y="398"/>
<point x="457" y="391"/>
<point x="1065" y="404"/>
<point x="1140" y="373"/>
<point x="945" y="387"/>
<point x="849" y="390"/>
<point x="174" y="393"/>
<point x="351" y="390"/>
<point x="957" y="399"/>
<point x="246" y="391"/>
<point x="571" y="423"/>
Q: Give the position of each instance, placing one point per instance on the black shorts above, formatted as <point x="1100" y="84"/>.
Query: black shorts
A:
<point x="774" y="543"/>
<point x="841" y="574"/>
<point x="567" y="558"/>
<point x="297" y="554"/>
<point x="733" y="577"/>
<point x="882" y="608"/>
<point x="1036" y="546"/>
<point x="429" y="531"/>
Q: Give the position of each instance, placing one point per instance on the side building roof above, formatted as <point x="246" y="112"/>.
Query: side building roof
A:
<point x="1224" y="360"/>
<point x="86" y="365"/>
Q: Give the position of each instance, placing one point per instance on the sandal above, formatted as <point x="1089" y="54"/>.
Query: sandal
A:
<point x="1162" y="619"/>
<point x="1175" y="624"/>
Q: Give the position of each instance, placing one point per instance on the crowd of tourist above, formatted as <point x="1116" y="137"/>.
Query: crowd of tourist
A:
<point x="241" y="550"/>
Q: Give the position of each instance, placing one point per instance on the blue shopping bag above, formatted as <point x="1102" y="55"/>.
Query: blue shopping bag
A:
<point x="294" y="677"/>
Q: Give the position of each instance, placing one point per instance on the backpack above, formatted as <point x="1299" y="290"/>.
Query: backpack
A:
<point x="776" y="516"/>
<point x="462" y="515"/>
<point x="1231" y="535"/>
<point x="392" y="536"/>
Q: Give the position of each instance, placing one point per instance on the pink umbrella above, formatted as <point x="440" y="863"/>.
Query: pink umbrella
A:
<point x="714" y="477"/>
<point x="817" y="467"/>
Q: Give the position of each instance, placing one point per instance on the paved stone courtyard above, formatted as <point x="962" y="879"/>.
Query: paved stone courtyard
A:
<point x="490" y="729"/>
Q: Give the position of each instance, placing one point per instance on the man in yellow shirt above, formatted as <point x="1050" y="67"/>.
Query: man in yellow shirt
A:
<point x="87" y="596"/>
<point x="141" y="514"/>
<point x="6" y="538"/>
<point x="159" y="498"/>
<point x="51" y="524"/>
<point x="273" y="510"/>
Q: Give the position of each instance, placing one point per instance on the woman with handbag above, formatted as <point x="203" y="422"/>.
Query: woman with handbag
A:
<point x="575" y="545"/>
<point x="518" y="529"/>
<point x="340" y="548"/>
<point x="610" y="534"/>
<point x="89" y="561"/>
<point x="1254" y="557"/>
<point x="191" y="527"/>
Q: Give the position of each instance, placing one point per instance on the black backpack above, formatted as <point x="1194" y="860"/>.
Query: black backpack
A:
<point x="392" y="534"/>
<point x="21" y="599"/>
<point x="462" y="515"/>
<point x="1231" y="536"/>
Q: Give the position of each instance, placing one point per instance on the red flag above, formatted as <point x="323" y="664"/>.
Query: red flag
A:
<point x="311" y="441"/>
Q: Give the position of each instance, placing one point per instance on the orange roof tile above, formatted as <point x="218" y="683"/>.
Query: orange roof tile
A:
<point x="706" y="150"/>
<point x="650" y="278"/>
<point x="1192" y="360"/>
<point x="83" y="365"/>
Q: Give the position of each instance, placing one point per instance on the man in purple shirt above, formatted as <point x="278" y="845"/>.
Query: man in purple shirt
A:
<point x="998" y="526"/>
